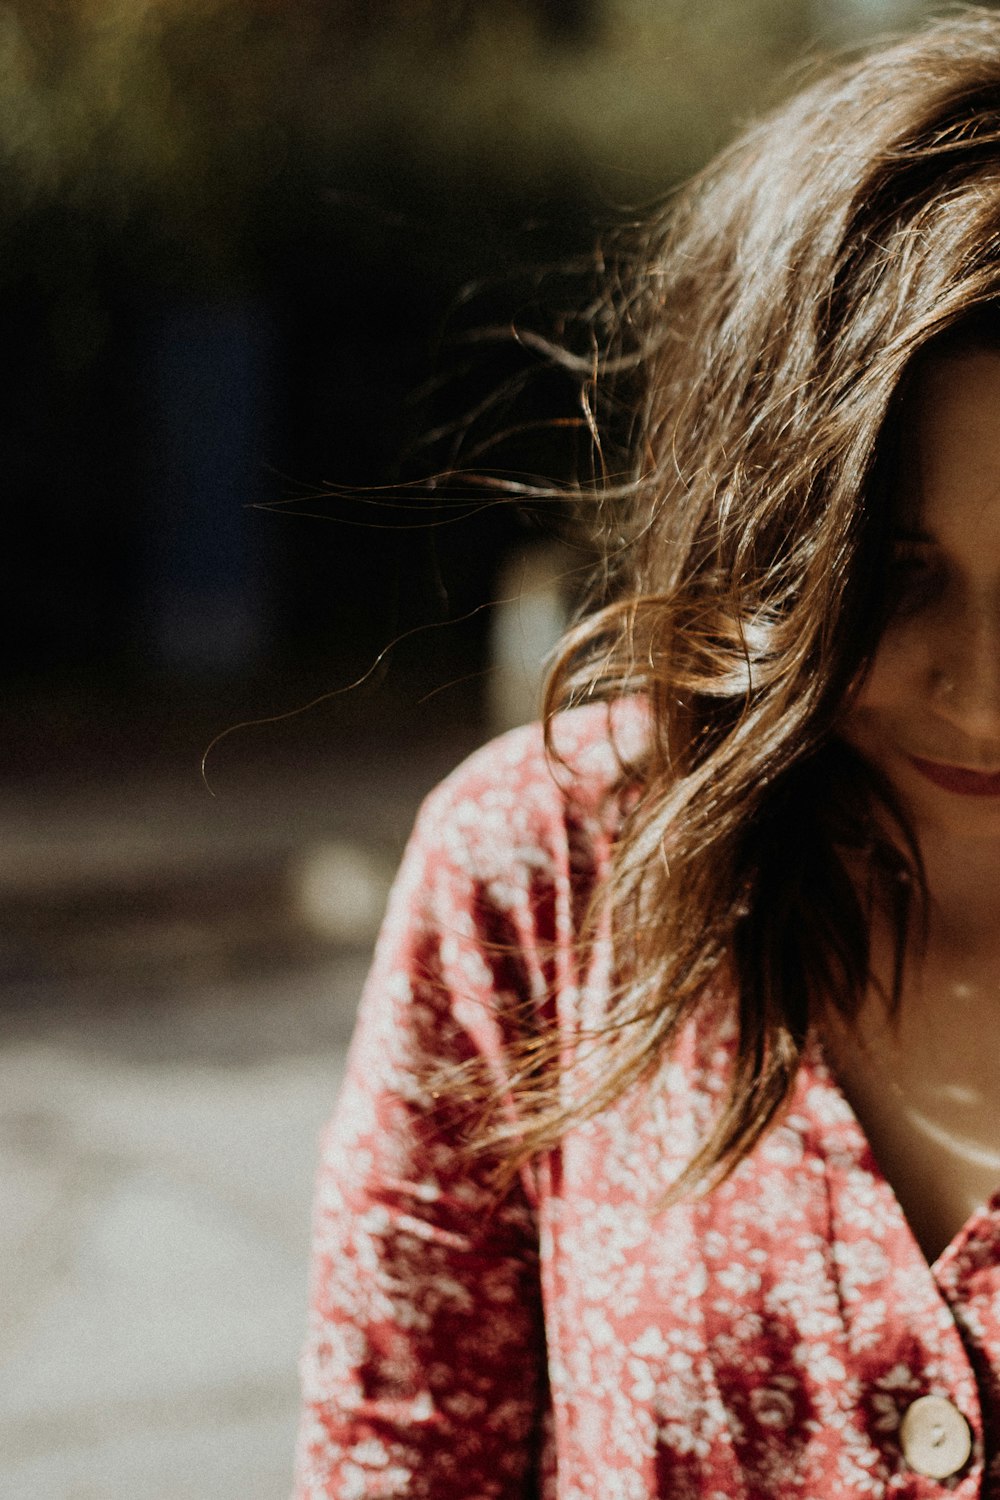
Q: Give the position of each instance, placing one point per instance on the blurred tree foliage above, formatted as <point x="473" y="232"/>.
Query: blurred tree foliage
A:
<point x="205" y="130"/>
<point x="181" y="116"/>
<point x="348" y="165"/>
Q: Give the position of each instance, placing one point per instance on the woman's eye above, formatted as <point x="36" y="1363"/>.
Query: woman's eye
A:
<point x="915" y="578"/>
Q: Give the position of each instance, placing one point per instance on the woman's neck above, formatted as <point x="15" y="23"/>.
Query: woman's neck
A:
<point x="963" y="884"/>
<point x="924" y="1085"/>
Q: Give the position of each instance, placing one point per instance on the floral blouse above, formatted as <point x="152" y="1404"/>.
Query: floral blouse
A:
<point x="781" y="1336"/>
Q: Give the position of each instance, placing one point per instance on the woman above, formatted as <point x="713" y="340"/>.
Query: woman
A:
<point x="665" y="1158"/>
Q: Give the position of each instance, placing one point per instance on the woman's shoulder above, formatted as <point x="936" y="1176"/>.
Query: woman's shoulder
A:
<point x="506" y="855"/>
<point x="527" y="790"/>
<point x="497" y="880"/>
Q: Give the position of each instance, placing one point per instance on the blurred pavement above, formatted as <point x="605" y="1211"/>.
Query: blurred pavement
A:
<point x="180" y="977"/>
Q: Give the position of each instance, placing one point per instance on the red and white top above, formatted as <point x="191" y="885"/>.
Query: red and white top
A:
<point x="774" y="1338"/>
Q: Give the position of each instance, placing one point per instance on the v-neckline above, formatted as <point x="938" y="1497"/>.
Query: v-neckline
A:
<point x="818" y="1062"/>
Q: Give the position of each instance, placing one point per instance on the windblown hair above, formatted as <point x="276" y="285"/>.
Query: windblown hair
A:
<point x="764" y="330"/>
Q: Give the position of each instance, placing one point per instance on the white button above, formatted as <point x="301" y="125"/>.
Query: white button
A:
<point x="935" y="1437"/>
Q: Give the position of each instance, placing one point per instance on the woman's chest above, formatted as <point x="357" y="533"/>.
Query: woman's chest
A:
<point x="771" y="1337"/>
<point x="925" y="1085"/>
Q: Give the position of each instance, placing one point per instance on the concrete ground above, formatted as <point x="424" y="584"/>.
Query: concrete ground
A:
<point x="153" y="1232"/>
<point x="179" y="980"/>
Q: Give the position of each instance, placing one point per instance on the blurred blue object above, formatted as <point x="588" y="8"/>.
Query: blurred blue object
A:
<point x="211" y="380"/>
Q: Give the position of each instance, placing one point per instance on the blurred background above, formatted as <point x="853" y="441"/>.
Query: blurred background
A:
<point x="250" y="252"/>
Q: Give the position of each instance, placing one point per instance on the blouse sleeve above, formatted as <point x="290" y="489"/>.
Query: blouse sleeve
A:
<point x="424" y="1368"/>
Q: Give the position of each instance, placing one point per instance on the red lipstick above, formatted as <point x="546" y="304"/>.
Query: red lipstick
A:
<point x="958" y="779"/>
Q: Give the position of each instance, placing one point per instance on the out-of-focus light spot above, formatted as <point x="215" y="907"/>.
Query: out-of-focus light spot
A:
<point x="527" y="621"/>
<point x="339" y="891"/>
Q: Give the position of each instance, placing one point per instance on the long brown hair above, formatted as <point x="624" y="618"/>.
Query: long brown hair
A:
<point x="763" y="330"/>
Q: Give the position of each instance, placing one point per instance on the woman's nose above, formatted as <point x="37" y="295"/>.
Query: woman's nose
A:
<point x="966" y="676"/>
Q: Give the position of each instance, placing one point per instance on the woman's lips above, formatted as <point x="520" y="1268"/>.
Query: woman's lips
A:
<point x="958" y="779"/>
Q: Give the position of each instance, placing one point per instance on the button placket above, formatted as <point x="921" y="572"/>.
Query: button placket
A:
<point x="922" y="1326"/>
